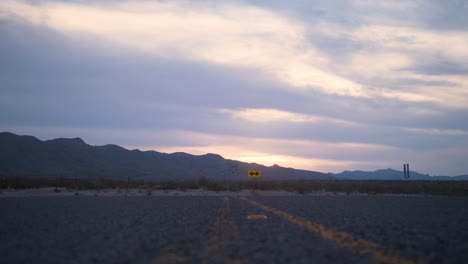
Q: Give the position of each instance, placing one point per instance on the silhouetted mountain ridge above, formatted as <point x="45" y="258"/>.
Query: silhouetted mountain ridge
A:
<point x="76" y="141"/>
<point x="72" y="157"/>
<point x="390" y="174"/>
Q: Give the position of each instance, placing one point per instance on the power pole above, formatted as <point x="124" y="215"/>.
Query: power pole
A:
<point x="406" y="173"/>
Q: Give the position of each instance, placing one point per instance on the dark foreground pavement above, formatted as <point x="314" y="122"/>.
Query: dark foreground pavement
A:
<point x="193" y="229"/>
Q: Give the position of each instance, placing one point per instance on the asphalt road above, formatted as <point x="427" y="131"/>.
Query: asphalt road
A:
<point x="192" y="229"/>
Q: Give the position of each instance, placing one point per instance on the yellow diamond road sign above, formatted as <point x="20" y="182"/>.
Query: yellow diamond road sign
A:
<point x="254" y="174"/>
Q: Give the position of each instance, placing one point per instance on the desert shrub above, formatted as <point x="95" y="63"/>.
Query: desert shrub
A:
<point x="445" y="188"/>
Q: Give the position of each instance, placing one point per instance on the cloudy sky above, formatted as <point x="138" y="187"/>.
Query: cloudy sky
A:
<point x="320" y="85"/>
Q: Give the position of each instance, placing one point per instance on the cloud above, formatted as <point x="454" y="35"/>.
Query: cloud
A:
<point x="348" y="88"/>
<point x="269" y="115"/>
<point x="394" y="51"/>
<point x="394" y="5"/>
<point x="439" y="67"/>
<point x="439" y="132"/>
<point x="229" y="34"/>
<point x="246" y="36"/>
<point x="303" y="154"/>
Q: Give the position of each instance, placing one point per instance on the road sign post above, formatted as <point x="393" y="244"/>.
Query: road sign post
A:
<point x="234" y="171"/>
<point x="255" y="174"/>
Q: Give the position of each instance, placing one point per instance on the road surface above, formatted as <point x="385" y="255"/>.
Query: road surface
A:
<point x="216" y="229"/>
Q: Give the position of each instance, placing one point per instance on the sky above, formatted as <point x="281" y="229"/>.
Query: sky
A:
<point x="313" y="84"/>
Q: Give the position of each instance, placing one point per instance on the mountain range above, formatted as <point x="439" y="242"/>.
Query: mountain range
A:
<point x="72" y="157"/>
<point x="390" y="174"/>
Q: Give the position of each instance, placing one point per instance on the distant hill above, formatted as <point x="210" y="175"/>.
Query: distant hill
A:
<point x="389" y="174"/>
<point x="72" y="157"/>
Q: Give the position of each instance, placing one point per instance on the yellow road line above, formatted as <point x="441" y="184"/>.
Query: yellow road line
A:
<point x="216" y="248"/>
<point x="345" y="240"/>
<point x="224" y="238"/>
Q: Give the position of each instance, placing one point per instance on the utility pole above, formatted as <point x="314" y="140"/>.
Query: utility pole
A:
<point x="406" y="173"/>
<point x="407" y="176"/>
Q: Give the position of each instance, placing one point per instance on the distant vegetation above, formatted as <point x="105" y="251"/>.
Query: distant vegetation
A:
<point x="369" y="187"/>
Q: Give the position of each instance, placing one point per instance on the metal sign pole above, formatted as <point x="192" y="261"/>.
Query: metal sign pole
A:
<point x="233" y="171"/>
<point x="256" y="174"/>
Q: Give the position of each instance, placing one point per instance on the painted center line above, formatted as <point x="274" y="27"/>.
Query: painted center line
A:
<point x="226" y="237"/>
<point x="217" y="247"/>
<point x="342" y="239"/>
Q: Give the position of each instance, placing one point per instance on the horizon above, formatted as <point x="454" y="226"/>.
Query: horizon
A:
<point x="315" y="85"/>
<point x="267" y="165"/>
